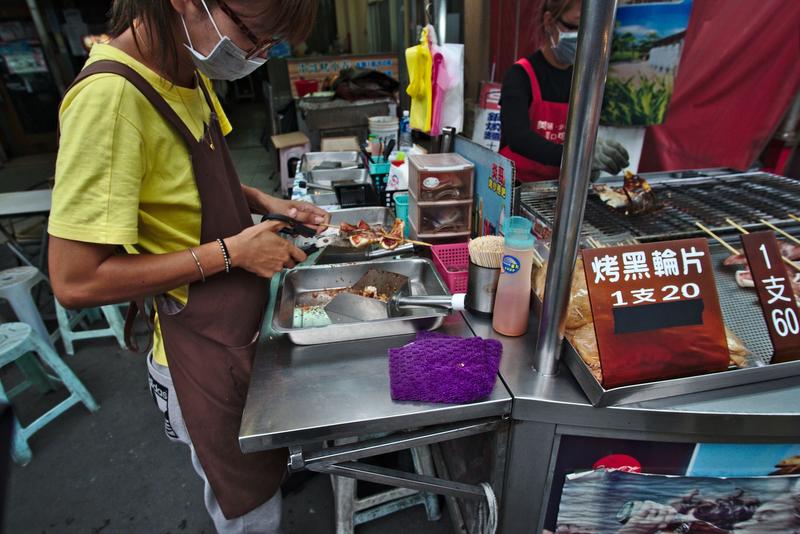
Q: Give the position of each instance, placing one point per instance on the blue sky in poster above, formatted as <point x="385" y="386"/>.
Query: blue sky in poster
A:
<point x="664" y="18"/>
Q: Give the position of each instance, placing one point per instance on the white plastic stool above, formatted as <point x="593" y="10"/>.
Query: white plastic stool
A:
<point x="15" y="287"/>
<point x="17" y="340"/>
<point x="67" y="324"/>
<point x="290" y="145"/>
<point x="352" y="511"/>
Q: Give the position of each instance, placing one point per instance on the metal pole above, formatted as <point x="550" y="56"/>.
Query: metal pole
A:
<point x="586" y="98"/>
<point x="47" y="46"/>
<point x="441" y="20"/>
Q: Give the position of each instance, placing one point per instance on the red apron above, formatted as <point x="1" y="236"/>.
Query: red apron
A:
<point x="548" y="119"/>
<point x="211" y="342"/>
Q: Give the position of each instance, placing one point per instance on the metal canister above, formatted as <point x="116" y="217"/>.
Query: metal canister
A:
<point x="481" y="288"/>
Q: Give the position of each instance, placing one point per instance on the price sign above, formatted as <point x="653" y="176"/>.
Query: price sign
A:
<point x="656" y="311"/>
<point x="774" y="293"/>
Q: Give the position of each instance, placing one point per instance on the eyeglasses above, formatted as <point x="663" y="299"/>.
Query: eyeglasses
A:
<point x="259" y="45"/>
<point x="570" y="27"/>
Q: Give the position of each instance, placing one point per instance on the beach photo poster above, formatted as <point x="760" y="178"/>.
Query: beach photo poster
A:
<point x="645" y="53"/>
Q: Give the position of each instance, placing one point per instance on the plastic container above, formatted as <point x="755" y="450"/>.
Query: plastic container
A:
<point x="406" y="141"/>
<point x="440" y="217"/>
<point x="452" y="262"/>
<point x="437" y="239"/>
<point x="401" y="209"/>
<point x="384" y="128"/>
<point x="434" y="177"/>
<point x="513" y="299"/>
<point x="305" y="87"/>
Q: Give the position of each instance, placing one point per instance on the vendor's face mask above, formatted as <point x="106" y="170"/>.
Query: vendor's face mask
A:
<point x="226" y="61"/>
<point x="564" y="50"/>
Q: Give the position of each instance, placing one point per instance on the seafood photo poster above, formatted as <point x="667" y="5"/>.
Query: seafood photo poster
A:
<point x="645" y="52"/>
<point x="619" y="502"/>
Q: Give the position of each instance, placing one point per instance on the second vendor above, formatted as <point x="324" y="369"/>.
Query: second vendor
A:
<point x="535" y="102"/>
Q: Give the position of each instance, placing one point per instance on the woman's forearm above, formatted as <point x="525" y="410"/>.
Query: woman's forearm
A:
<point x="86" y="275"/>
<point x="257" y="200"/>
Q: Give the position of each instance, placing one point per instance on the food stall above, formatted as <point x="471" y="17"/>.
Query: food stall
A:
<point x="331" y="404"/>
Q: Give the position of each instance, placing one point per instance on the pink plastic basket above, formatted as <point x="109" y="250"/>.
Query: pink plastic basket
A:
<point x="452" y="262"/>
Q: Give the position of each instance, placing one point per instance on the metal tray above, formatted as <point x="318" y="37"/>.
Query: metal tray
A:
<point x="742" y="315"/>
<point x="327" y="176"/>
<point x="310" y="287"/>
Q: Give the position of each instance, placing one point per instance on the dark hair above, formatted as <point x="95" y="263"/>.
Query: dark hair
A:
<point x="555" y="7"/>
<point x="291" y="20"/>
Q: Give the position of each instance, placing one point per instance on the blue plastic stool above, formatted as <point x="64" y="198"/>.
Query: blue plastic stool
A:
<point x="68" y="321"/>
<point x="16" y="341"/>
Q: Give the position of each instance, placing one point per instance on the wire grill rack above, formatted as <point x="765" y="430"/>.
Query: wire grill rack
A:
<point x="743" y="197"/>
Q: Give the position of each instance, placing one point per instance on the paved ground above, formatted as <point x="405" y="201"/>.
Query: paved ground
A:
<point x="115" y="471"/>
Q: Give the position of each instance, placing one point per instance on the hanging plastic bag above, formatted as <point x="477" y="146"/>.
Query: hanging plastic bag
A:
<point x="420" y="89"/>
<point x="452" y="110"/>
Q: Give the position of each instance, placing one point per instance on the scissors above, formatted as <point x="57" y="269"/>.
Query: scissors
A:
<point x="307" y="239"/>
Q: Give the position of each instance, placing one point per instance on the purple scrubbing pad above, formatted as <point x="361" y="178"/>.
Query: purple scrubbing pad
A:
<point x="440" y="368"/>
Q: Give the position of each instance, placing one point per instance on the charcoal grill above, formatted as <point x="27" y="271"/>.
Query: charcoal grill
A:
<point x="743" y="197"/>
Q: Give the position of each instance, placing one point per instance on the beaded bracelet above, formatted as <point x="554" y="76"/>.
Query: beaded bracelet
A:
<point x="225" y="255"/>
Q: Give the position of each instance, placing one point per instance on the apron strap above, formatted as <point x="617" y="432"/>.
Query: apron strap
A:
<point x="136" y="308"/>
<point x="144" y="87"/>
<point x="536" y="92"/>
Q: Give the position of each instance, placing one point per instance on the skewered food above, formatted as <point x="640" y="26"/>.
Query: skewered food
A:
<point x="788" y="250"/>
<point x="634" y="197"/>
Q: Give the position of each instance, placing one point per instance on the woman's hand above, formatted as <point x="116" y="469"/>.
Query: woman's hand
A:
<point x="649" y="517"/>
<point x="304" y="212"/>
<point x="260" y="250"/>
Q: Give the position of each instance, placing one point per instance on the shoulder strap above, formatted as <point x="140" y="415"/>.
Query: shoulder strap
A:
<point x="144" y="87"/>
<point x="536" y="92"/>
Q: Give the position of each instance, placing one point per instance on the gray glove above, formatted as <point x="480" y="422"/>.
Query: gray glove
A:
<point x="609" y="156"/>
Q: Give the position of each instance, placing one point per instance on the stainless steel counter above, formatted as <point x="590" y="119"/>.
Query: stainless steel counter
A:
<point x="307" y="394"/>
<point x="547" y="409"/>
<point x="768" y="411"/>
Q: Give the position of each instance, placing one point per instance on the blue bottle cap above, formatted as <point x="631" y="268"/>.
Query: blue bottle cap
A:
<point x="517" y="231"/>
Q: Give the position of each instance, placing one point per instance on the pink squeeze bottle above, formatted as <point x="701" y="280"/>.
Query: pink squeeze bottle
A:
<point x="513" y="298"/>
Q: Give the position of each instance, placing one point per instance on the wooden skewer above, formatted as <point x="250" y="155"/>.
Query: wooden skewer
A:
<point x="795" y="217"/>
<point x="786" y="260"/>
<point x="718" y="238"/>
<point x="782" y="232"/>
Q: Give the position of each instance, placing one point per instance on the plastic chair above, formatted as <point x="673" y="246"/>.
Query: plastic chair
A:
<point x="15" y="287"/>
<point x="352" y="511"/>
<point x="17" y="340"/>
<point x="67" y="323"/>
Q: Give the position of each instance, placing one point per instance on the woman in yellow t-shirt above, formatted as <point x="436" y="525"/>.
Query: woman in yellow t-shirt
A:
<point x="143" y="165"/>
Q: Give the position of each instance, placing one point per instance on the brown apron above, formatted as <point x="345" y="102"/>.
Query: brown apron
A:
<point x="211" y="342"/>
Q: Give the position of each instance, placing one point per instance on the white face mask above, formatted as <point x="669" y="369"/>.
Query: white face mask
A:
<point x="226" y="61"/>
